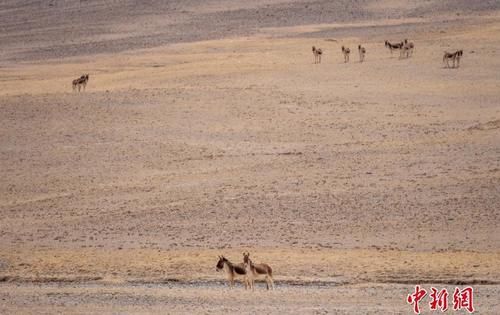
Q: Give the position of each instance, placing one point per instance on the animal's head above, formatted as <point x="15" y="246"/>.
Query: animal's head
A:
<point x="246" y="257"/>
<point x="220" y="263"/>
<point x="386" y="43"/>
<point x="314" y="48"/>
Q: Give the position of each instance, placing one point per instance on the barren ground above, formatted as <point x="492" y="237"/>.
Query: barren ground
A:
<point x="206" y="129"/>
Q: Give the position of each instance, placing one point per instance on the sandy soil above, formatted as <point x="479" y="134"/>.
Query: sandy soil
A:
<point x="206" y="129"/>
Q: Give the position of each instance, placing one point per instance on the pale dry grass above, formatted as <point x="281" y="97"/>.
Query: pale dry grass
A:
<point x="298" y="265"/>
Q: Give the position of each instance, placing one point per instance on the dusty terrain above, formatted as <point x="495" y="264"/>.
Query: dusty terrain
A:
<point x="206" y="129"/>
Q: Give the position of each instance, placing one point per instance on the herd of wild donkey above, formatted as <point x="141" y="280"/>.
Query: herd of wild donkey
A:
<point x="246" y="270"/>
<point x="406" y="50"/>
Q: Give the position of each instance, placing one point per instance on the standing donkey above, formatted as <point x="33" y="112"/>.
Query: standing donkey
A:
<point x="455" y="57"/>
<point x="254" y="271"/>
<point x="317" y="52"/>
<point x="232" y="270"/>
<point x="346" y="52"/>
<point x="396" y="46"/>
<point x="362" y="53"/>
<point x="407" y="49"/>
<point x="80" y="82"/>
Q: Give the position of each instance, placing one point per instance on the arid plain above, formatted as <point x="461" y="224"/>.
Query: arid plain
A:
<point x="207" y="129"/>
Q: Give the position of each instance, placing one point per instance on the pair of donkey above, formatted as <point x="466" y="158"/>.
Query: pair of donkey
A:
<point x="246" y="270"/>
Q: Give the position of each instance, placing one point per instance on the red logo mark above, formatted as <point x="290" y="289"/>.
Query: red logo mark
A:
<point x="463" y="299"/>
<point x="416" y="297"/>
<point x="439" y="299"/>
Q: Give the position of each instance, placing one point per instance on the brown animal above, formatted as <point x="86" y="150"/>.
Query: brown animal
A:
<point x="455" y="57"/>
<point x="362" y="53"/>
<point x="80" y="82"/>
<point x="255" y="271"/>
<point x="317" y="54"/>
<point x="392" y="47"/>
<point x="407" y="49"/>
<point x="232" y="270"/>
<point x="346" y="52"/>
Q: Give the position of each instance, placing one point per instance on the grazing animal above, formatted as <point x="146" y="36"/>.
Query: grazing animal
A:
<point x="346" y="52"/>
<point x="392" y="47"/>
<point x="317" y="54"/>
<point x="255" y="271"/>
<point x="407" y="50"/>
<point x="232" y="270"/>
<point x="362" y="53"/>
<point x="455" y="57"/>
<point x="80" y="82"/>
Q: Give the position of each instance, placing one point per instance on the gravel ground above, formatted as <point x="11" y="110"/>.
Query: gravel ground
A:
<point x="203" y="299"/>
